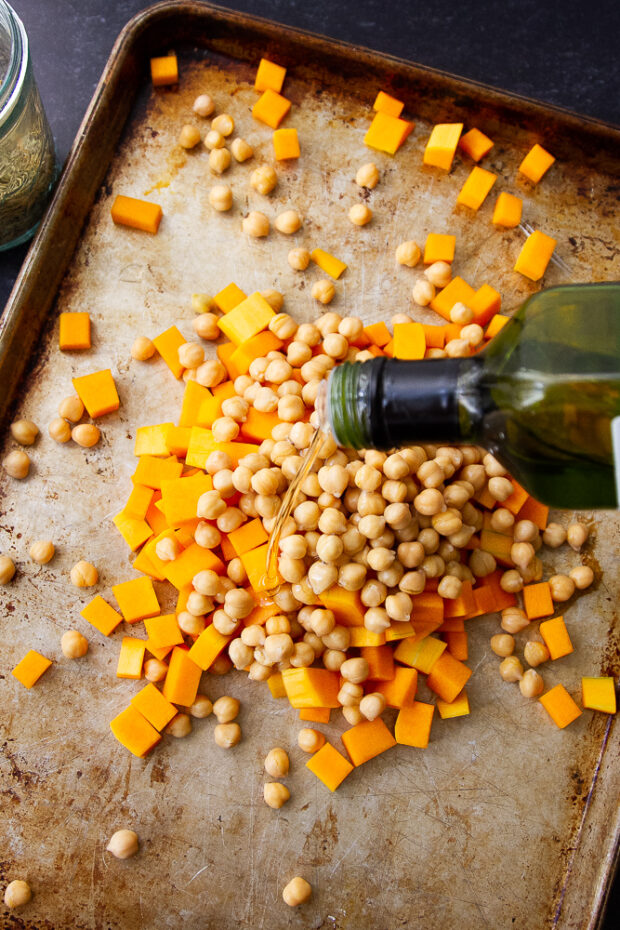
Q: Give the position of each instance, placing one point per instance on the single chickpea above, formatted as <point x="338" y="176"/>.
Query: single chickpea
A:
<point x="227" y="735"/>
<point x="264" y="179"/>
<point x="511" y="669"/>
<point x="583" y="576"/>
<point x="439" y="273"/>
<point x="373" y="593"/>
<point x="531" y="684"/>
<point x="376" y="620"/>
<point x="221" y="197"/>
<point x="221" y="666"/>
<point x="236" y="572"/>
<point x="323" y="291"/>
<point x="372" y="705"/>
<point x="42" y="551"/>
<point x="277" y="763"/>
<point x="321" y="577"/>
<point x="191" y="624"/>
<point x="226" y="709"/>
<point x="16" y="464"/>
<point x="535" y="653"/>
<point x="219" y="161"/>
<point x="203" y="303"/>
<point x="503" y="644"/>
<point x="283" y="326"/>
<point x="450" y="587"/>
<point x="142" y="349"/>
<point x="84" y="575"/>
<point x="17" y="893"/>
<point x="429" y="502"/>
<point x="225" y="429"/>
<point x="457" y="348"/>
<point x="274" y="298"/>
<point x="367" y="176"/>
<point x="502" y="520"/>
<point x="201" y="708"/>
<point x="360" y="214"/>
<point x="24" y="432"/>
<point x="296" y="892"/>
<point x="500" y="488"/>
<point x="423" y="292"/>
<point x="288" y="222"/>
<point x="278" y="647"/>
<point x="191" y="355"/>
<point x="189" y="137"/>
<point x="461" y="314"/>
<point x="398" y="606"/>
<point x="355" y="670"/>
<point x="73" y="644"/>
<point x="207" y="536"/>
<point x="123" y="844"/>
<point x="310" y="740"/>
<point x="473" y="334"/>
<point x="275" y="795"/>
<point x="255" y="224"/>
<point x="198" y="605"/>
<point x="353" y="715"/>
<point x="155" y="670"/>
<point x="525" y="531"/>
<point x="576" y="535"/>
<point x="180" y="726"/>
<point x="241" y="149"/>
<point x="86" y="435"/>
<point x="7" y="569"/>
<point x="562" y="587"/>
<point x="224" y="124"/>
<point x="210" y="505"/>
<point x="257" y="672"/>
<point x="214" y="140"/>
<point x="514" y="619"/>
<point x="511" y="581"/>
<point x="554" y="536"/>
<point x="239" y="603"/>
<point x="298" y="259"/>
<point x="447" y="522"/>
<point x="59" y="430"/>
<point x="522" y="554"/>
<point x="302" y="656"/>
<point x="482" y="563"/>
<point x="371" y="526"/>
<point x="291" y="408"/>
<point x="335" y="345"/>
<point x="203" y="105"/>
<point x="408" y="253"/>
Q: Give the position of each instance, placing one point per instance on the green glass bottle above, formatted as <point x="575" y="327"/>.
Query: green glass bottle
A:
<point x="543" y="397"/>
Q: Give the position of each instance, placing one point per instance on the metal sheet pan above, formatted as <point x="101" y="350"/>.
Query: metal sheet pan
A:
<point x="503" y="821"/>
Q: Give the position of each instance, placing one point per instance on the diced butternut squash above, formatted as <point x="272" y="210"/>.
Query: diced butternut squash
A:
<point x="179" y="497"/>
<point x="97" y="392"/>
<point x="409" y="341"/>
<point x="207" y="647"/>
<point x="311" y="687"/>
<point x="537" y="600"/>
<point x="328" y="263"/>
<point x="496" y="325"/>
<point x="168" y="344"/>
<point x="138" y="214"/>
<point x="556" y="637"/>
<point x="136" y="599"/>
<point x="459" y="707"/>
<point x="329" y="766"/>
<point x="269" y="76"/>
<point x="428" y="607"/>
<point x="366" y="740"/>
<point x="30" y="668"/>
<point x="413" y="725"/>
<point x="151" y="440"/>
<point x="380" y="662"/>
<point x="182" y="679"/>
<point x="387" y="133"/>
<point x="258" y="425"/>
<point x="485" y="303"/>
<point x="361" y="637"/>
<point x="536" y="163"/>
<point x="139" y="501"/>
<point x="164" y="70"/>
<point x="134" y="532"/>
<point x="151" y="471"/>
<point x="192" y="398"/>
<point x="560" y="706"/>
<point x="286" y="144"/>
<point x="441" y="146"/>
<point x="515" y="502"/>
<point x="599" y="694"/>
<point x="384" y="103"/>
<point x="130" y="658"/>
<point x="535" y="255"/>
<point x="536" y="512"/>
<point x="249" y="536"/>
<point x="229" y="297"/>
<point x="246" y="319"/>
<point x="315" y="714"/>
<point x="421" y="655"/>
<point x="134" y="732"/>
<point x="346" y="606"/>
<point x="439" y="248"/>
<point x="261" y="614"/>
<point x="255" y="564"/>
<point x="177" y="440"/>
<point x="74" y="331"/>
<point x="448" y="677"/>
<point x="202" y="444"/>
<point x="101" y="615"/>
<point x="401" y="690"/>
<point x="457" y="291"/>
<point x="475" y="144"/>
<point x="507" y="211"/>
<point x="276" y="686"/>
<point x="163" y="631"/>
<point x="456" y="640"/>
<point x="476" y="187"/>
<point x="378" y="333"/>
<point x="398" y="629"/>
<point x="257" y="347"/>
<point x="188" y="563"/>
<point x="154" y="707"/>
<point x="271" y="108"/>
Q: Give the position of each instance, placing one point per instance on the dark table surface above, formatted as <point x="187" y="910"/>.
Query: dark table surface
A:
<point x="561" y="53"/>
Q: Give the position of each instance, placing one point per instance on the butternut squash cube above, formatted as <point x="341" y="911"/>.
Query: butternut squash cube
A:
<point x="459" y="707"/>
<point x="476" y="187"/>
<point x="448" y="677"/>
<point x="276" y="686"/>
<point x="256" y="347"/>
<point x="151" y="471"/>
<point x="329" y="766"/>
<point x="508" y="210"/>
<point x="151" y="440"/>
<point x="138" y="214"/>
<point x="163" y="631"/>
<point x="327" y="263"/>
<point x="441" y="146"/>
<point x="164" y="70"/>
<point x="387" y="133"/>
<point x="269" y="76"/>
<point x="384" y="103"/>
<point x="496" y="325"/>
<point x="346" y="605"/>
<point x="179" y="497"/>
<point x="439" y="248"/>
<point x="457" y="291"/>
<point x="286" y="144"/>
<point x="134" y="532"/>
<point x="401" y="690"/>
<point x="367" y="740"/>
<point x="192" y="399"/>
<point x="536" y="163"/>
<point x="255" y="564"/>
<point x="271" y="108"/>
<point x="74" y="331"/>
<point x="599" y="694"/>
<point x="409" y="341"/>
<point x="207" y="647"/>
<point x="189" y="562"/>
<point x="556" y="637"/>
<point x="475" y="144"/>
<point x="560" y="706"/>
<point x="136" y="599"/>
<point x="134" y="732"/>
<point x="537" y="600"/>
<point x="485" y="303"/>
<point x="182" y="679"/>
<point x="311" y="687"/>
<point x="228" y="298"/>
<point x="314" y="714"/>
<point x="153" y="706"/>
<point x="421" y="655"/>
<point x="30" y="668"/>
<point x="413" y="725"/>
<point x="101" y="615"/>
<point x="97" y="392"/>
<point x="361" y="637"/>
<point x="249" y="536"/>
<point x="168" y="344"/>
<point x="130" y="658"/>
<point x="535" y="255"/>
<point x="138" y="501"/>
<point x="247" y="319"/>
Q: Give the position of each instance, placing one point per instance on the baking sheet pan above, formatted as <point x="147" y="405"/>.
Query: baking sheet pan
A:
<point x="503" y="821"/>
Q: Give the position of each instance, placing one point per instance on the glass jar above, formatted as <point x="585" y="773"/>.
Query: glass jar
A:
<point x="27" y="160"/>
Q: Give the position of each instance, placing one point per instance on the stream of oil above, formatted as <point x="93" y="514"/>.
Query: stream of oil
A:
<point x="271" y="581"/>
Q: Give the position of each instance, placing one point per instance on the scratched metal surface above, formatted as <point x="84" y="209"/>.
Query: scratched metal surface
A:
<point x="504" y="820"/>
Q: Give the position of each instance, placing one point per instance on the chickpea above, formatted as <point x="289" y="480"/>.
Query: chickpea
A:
<point x="350" y="694"/>
<point x="429" y="502"/>
<point x="226" y="709"/>
<point x="253" y="635"/>
<point x="224" y="124"/>
<point x="225" y="429"/>
<point x="409" y="253"/>
<point x="155" y="670"/>
<point x="86" y="435"/>
<point x="373" y="593"/>
<point x="16" y="464"/>
<point x="353" y="715"/>
<point x="321" y="577"/>
<point x="189" y="623"/>
<point x="323" y="291"/>
<point x="554" y="536"/>
<point x="310" y="740"/>
<point x="296" y="892"/>
<point x="288" y="222"/>
<point x="511" y="669"/>
<point x="241" y="149"/>
<point x="576" y="535"/>
<point x="73" y="644"/>
<point x="461" y="314"/>
<point x="562" y="587"/>
<point x="371" y="526"/>
<point x="17" y="893"/>
<point x="221" y="198"/>
<point x="123" y="844"/>
<point x="535" y="653"/>
<point x="180" y="726"/>
<point x="447" y="522"/>
<point x="59" y="430"/>
<point x="298" y="259"/>
<point x="291" y="408"/>
<point x="450" y="587"/>
<point x="439" y="274"/>
<point x="355" y="670"/>
<point x="500" y="488"/>
<point x="219" y="161"/>
<point x="583" y="576"/>
<point x="24" y="432"/>
<point x="503" y="644"/>
<point x="514" y="619"/>
<point x="398" y="606"/>
<point x="264" y="179"/>
<point x="278" y="646"/>
<point x="473" y="334"/>
<point x="525" y="531"/>
<point x="256" y="224"/>
<point x="189" y="137"/>
<point x="522" y="554"/>
<point x="360" y="214"/>
<point x="239" y="603"/>
<point x="413" y="582"/>
<point x="502" y="520"/>
<point x="335" y="346"/>
<point x="376" y="620"/>
<point x="191" y="355"/>
<point x="207" y="536"/>
<point x="210" y="505"/>
<point x="141" y="350"/>
<point x="84" y="575"/>
<point x="482" y="563"/>
<point x="7" y="569"/>
<point x="274" y="298"/>
<point x="201" y="708"/>
<point x="372" y="705"/>
<point x="367" y="176"/>
<point x="42" y="551"/>
<point x="457" y="348"/>
<point x="214" y="140"/>
<point x="258" y="672"/>
<point x="511" y="581"/>
<point x="531" y="684"/>
<point x="221" y="666"/>
<point x="275" y="794"/>
<point x="203" y="105"/>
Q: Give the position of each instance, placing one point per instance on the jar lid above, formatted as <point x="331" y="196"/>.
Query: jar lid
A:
<point x="18" y="80"/>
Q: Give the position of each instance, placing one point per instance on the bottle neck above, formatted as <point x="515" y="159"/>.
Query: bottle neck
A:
<point x="387" y="403"/>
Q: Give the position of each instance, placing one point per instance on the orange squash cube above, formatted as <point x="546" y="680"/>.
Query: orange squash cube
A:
<point x="556" y="637"/>
<point x="448" y="677"/>
<point x="476" y="187"/>
<point x="599" y="694"/>
<point x="536" y="163"/>
<point x="384" y="103"/>
<point x="537" y="600"/>
<point x="560" y="706"/>
<point x="409" y="341"/>
<point x="387" y="133"/>
<point x="346" y="606"/>
<point x="246" y="319"/>
<point x="286" y="144"/>
<point x="315" y="714"/>
<point x="163" y="631"/>
<point x="457" y="291"/>
<point x="475" y="144"/>
<point x="327" y="263"/>
<point x="137" y="214"/>
<point x="271" y="108"/>
<point x="228" y="298"/>
<point x="535" y="255"/>
<point x="97" y="392"/>
<point x="182" y="679"/>
<point x="441" y="146"/>
<point x="329" y="766"/>
<point x="401" y="690"/>
<point x="269" y="76"/>
<point x="168" y="344"/>
<point x="136" y="599"/>
<point x="154" y="707"/>
<point x="101" y="615"/>
<point x="164" y="70"/>
<point x="74" y="331"/>
<point x="130" y="658"/>
<point x="439" y="248"/>
<point x="367" y="740"/>
<point x="30" y="668"/>
<point x="413" y="725"/>
<point x="134" y="732"/>
<point x="207" y="647"/>
<point x="508" y="210"/>
<point x="459" y="707"/>
<point x="311" y="687"/>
